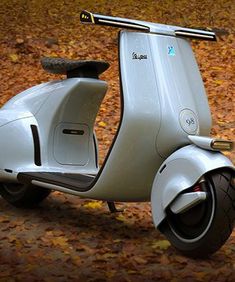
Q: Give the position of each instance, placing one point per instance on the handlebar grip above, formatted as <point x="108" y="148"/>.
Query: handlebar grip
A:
<point x="90" y="18"/>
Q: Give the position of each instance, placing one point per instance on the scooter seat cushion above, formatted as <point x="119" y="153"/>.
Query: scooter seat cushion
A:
<point x="74" y="68"/>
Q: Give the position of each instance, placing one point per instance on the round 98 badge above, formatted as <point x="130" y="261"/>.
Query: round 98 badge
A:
<point x="188" y="121"/>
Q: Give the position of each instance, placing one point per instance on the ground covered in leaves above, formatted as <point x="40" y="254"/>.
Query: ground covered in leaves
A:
<point x="69" y="239"/>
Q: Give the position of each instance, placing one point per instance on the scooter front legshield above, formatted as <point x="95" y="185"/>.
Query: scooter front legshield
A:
<point x="180" y="171"/>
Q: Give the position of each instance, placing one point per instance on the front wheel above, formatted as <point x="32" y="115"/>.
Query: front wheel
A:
<point x="203" y="229"/>
<point x="23" y="195"/>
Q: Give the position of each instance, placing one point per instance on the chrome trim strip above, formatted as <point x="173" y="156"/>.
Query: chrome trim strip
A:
<point x="123" y="24"/>
<point x="191" y="34"/>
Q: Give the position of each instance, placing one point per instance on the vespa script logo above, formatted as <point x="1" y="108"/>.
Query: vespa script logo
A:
<point x="136" y="56"/>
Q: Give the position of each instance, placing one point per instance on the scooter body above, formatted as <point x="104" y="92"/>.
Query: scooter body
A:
<point x="48" y="137"/>
<point x="42" y="118"/>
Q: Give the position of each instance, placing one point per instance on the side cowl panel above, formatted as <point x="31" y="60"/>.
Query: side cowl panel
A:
<point x="17" y="147"/>
<point x="180" y="171"/>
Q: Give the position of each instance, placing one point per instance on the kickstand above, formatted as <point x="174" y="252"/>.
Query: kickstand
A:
<point x="113" y="208"/>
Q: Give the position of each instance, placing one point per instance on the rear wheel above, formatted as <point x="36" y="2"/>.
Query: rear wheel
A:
<point x="23" y="195"/>
<point x="203" y="229"/>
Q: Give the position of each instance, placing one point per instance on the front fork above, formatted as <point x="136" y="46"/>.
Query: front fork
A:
<point x="182" y="170"/>
<point x="190" y="198"/>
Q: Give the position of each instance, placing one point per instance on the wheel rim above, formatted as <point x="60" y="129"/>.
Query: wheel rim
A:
<point x="14" y="189"/>
<point x="194" y="224"/>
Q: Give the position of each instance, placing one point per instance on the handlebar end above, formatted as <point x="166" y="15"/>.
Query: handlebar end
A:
<point x="87" y="17"/>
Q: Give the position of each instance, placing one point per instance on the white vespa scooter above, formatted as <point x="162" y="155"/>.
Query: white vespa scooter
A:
<point x="161" y="151"/>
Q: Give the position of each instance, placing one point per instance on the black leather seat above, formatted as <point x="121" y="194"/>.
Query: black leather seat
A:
<point x="74" y="68"/>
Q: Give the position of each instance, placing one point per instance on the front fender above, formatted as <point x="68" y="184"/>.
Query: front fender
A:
<point x="180" y="171"/>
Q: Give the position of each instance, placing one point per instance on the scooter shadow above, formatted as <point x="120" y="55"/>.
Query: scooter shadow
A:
<point x="70" y="213"/>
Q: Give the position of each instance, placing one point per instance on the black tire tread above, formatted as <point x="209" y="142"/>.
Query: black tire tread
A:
<point x="222" y="224"/>
<point x="29" y="197"/>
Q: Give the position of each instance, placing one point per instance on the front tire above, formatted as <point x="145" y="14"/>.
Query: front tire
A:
<point x="23" y="195"/>
<point x="203" y="229"/>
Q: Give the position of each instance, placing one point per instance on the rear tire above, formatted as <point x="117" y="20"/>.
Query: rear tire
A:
<point x="23" y="195"/>
<point x="203" y="229"/>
